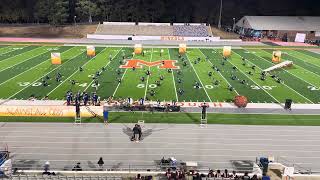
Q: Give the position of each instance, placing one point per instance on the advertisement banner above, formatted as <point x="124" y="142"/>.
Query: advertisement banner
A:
<point x="48" y="111"/>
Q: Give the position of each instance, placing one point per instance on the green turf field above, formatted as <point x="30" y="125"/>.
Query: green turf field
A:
<point x="23" y="68"/>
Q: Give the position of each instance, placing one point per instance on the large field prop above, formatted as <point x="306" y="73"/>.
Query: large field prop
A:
<point x="91" y="51"/>
<point x="55" y="58"/>
<point x="137" y="48"/>
<point x="226" y="51"/>
<point x="182" y="48"/>
<point x="276" y="56"/>
<point x="241" y="101"/>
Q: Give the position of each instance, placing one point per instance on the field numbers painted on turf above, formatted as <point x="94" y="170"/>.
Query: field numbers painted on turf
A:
<point x="24" y="84"/>
<point x="86" y="84"/>
<point x="269" y="88"/>
<point x="313" y="88"/>
<point x="83" y="85"/>
<point x="91" y="75"/>
<point x="152" y="86"/>
<point x="208" y="86"/>
<point x="140" y="86"/>
<point x="36" y="84"/>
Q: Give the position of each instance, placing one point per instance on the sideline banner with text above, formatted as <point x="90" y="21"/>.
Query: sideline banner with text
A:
<point x="48" y="111"/>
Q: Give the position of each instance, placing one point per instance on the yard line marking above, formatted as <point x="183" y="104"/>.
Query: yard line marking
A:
<point x="22" y="61"/>
<point x="282" y="83"/>
<point x="12" y="51"/>
<point x="199" y="78"/>
<point x="42" y="76"/>
<point x="145" y="92"/>
<point x="174" y="82"/>
<point x="74" y="73"/>
<point x="255" y="82"/>
<point x="115" y="91"/>
<point x="220" y="73"/>
<point x="105" y="67"/>
<point x="286" y="70"/>
<point x="29" y="69"/>
<point x="302" y="54"/>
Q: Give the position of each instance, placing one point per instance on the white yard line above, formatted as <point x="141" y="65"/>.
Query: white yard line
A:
<point x="301" y="54"/>
<point x="147" y="84"/>
<point x="12" y="51"/>
<point x="41" y="77"/>
<point x="29" y="69"/>
<point x="287" y="71"/>
<point x="115" y="91"/>
<point x="220" y="74"/>
<point x="203" y="87"/>
<point x="282" y="83"/>
<point x="74" y="73"/>
<point x="21" y="61"/>
<point x="174" y="82"/>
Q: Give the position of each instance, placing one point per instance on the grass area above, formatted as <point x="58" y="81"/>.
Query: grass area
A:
<point x="187" y="118"/>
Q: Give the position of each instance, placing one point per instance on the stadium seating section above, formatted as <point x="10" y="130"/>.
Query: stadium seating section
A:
<point x="153" y="30"/>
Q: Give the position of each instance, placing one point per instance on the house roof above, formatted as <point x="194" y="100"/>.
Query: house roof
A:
<point x="288" y="23"/>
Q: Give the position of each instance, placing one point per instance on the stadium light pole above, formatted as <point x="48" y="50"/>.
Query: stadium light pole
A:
<point x="234" y="24"/>
<point x="220" y="15"/>
<point x="75" y="22"/>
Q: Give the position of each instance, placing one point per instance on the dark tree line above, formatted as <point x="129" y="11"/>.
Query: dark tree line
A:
<point x="64" y="11"/>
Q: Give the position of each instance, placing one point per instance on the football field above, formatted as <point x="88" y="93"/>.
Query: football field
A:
<point x="25" y="68"/>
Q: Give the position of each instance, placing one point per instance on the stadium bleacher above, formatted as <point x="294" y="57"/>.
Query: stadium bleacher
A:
<point x="154" y="29"/>
<point x="193" y="31"/>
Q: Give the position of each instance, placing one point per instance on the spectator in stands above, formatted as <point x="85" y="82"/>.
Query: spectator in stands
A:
<point x="234" y="175"/>
<point x="168" y="173"/>
<point x="254" y="177"/>
<point x="246" y="176"/>
<point x="100" y="163"/>
<point x="265" y="177"/>
<point x="210" y="174"/>
<point x="218" y="174"/>
<point x="138" y="176"/>
<point x="226" y="174"/>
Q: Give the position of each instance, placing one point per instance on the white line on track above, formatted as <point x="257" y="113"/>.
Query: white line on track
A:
<point x="175" y="144"/>
<point x="29" y="69"/>
<point x="219" y="73"/>
<point x="14" y="149"/>
<point x="74" y="73"/>
<point x="23" y="60"/>
<point x="42" y="77"/>
<point x="147" y="84"/>
<point x="198" y="78"/>
<point x="282" y="83"/>
<point x="174" y="82"/>
<point x="174" y="138"/>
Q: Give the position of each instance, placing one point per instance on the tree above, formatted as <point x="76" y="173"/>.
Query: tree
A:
<point x="86" y="8"/>
<point x="55" y="12"/>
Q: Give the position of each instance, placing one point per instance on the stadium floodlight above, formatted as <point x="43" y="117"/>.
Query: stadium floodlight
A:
<point x="220" y="15"/>
<point x="74" y="19"/>
<point x="234" y="24"/>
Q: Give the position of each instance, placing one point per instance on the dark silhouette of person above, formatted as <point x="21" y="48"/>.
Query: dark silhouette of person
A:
<point x="100" y="163"/>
